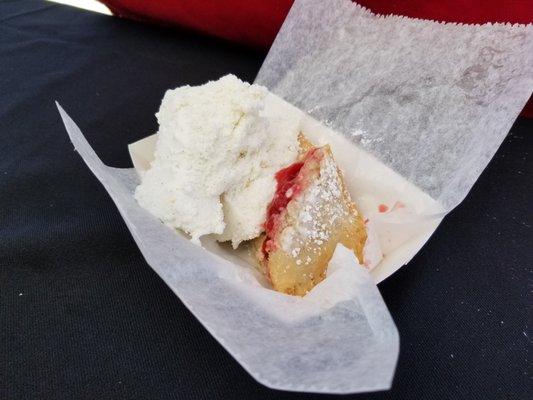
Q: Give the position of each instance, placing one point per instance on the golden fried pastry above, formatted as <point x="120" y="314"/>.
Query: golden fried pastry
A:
<point x="310" y="214"/>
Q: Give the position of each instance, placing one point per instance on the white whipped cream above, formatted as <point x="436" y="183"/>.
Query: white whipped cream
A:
<point x="215" y="160"/>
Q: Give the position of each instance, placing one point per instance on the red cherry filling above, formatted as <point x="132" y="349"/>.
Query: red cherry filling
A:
<point x="287" y="187"/>
<point x="289" y="184"/>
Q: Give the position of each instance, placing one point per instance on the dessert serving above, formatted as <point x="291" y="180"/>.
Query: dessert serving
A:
<point x="310" y="214"/>
<point x="222" y="167"/>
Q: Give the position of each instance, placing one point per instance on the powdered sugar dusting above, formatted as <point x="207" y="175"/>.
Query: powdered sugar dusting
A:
<point x="316" y="212"/>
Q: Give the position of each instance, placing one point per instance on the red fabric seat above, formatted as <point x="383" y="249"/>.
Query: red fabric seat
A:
<point x="256" y="22"/>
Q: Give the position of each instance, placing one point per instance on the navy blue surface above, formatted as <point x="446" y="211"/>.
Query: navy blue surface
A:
<point x="82" y="316"/>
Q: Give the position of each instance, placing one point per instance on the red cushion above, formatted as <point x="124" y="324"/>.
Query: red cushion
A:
<point x="253" y="22"/>
<point x="256" y="22"/>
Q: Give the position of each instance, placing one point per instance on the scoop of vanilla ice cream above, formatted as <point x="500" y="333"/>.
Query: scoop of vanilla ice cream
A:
<point x="215" y="160"/>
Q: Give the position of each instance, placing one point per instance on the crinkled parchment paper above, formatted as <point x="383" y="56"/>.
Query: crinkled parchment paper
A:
<point x="414" y="110"/>
<point x="433" y="101"/>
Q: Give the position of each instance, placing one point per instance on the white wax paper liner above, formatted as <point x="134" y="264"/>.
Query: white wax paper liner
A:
<point x="433" y="101"/>
<point x="340" y="338"/>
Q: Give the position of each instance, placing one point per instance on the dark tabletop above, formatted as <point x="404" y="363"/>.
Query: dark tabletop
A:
<point x="82" y="316"/>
